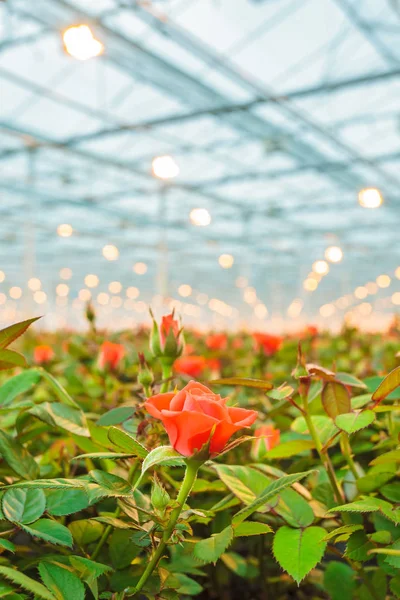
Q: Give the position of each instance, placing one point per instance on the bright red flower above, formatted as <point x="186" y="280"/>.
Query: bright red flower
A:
<point x="312" y="330"/>
<point x="196" y="415"/>
<point x="267" y="438"/>
<point x="214" y="364"/>
<point x="43" y="354"/>
<point x="110" y="355"/>
<point x="190" y="365"/>
<point x="217" y="341"/>
<point x="269" y="344"/>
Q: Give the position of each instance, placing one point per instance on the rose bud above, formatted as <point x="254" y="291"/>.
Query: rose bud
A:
<point x="196" y="416"/>
<point x="166" y="340"/>
<point x="193" y="366"/>
<point x="267" y="438"/>
<point x="266" y="343"/>
<point x="145" y="375"/>
<point x="110" y="355"/>
<point x="43" y="354"/>
<point x="217" y="341"/>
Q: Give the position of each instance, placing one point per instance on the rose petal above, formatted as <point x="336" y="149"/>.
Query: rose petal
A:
<point x="223" y="432"/>
<point x="242" y="416"/>
<point x="156" y="404"/>
<point x="182" y="427"/>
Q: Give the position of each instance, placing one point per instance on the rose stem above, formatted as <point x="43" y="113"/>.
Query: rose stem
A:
<point x="187" y="484"/>
<point x="166" y="375"/>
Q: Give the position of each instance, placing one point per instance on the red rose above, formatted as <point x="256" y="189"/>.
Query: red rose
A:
<point x="43" y="354"/>
<point x="110" y="355"/>
<point x="217" y="341"/>
<point x="269" y="344"/>
<point x="267" y="438"/>
<point x="190" y="365"/>
<point x="196" y="415"/>
<point x="214" y="364"/>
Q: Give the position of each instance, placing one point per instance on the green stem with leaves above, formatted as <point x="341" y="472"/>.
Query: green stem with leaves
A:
<point x="325" y="460"/>
<point x="187" y="484"/>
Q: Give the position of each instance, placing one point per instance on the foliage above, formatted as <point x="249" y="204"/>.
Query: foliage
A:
<point x="95" y="502"/>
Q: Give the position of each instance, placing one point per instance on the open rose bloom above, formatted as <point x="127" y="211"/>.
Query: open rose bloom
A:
<point x="195" y="416"/>
<point x="43" y="354"/>
<point x="110" y="355"/>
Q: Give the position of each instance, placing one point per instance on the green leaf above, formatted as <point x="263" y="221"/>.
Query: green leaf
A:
<point x="66" y="502"/>
<point x="61" y="415"/>
<point x="294" y="509"/>
<point x="17" y="385"/>
<point x="288" y="449"/>
<point x="246" y="483"/>
<point x="350" y="380"/>
<point x="17" y="457"/>
<point x="85" y="531"/>
<point x="11" y="333"/>
<point x="163" y="455"/>
<point x="339" y="581"/>
<point x="358" y="546"/>
<point x="270" y="491"/>
<point x="324" y="426"/>
<point x="122" y="549"/>
<point x="188" y="586"/>
<point x="57" y="388"/>
<point x="373" y="481"/>
<point x="104" y="455"/>
<point x="7" y="545"/>
<point x="345" y="529"/>
<point x="299" y="550"/>
<point x="393" y="554"/>
<point x="10" y="359"/>
<point x="248" y="528"/>
<point x="48" y="484"/>
<point x="391" y="491"/>
<point x="116" y="415"/>
<point x="89" y="568"/>
<point x="235" y="563"/>
<point x="64" y="584"/>
<point x="126" y="442"/>
<point x="388" y="385"/>
<point x="21" y="580"/>
<point x="23" y="505"/>
<point x="335" y="399"/>
<point x="50" y="531"/>
<point x="210" y="549"/>
<point x="355" y="421"/>
<point x="389" y="457"/>
<point x="281" y="393"/>
<point x="260" y="384"/>
<point x="114" y="485"/>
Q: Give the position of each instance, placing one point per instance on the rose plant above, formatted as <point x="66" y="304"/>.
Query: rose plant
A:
<point x="128" y="481"/>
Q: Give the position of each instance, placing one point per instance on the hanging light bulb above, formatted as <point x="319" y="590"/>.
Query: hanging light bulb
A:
<point x="164" y="167"/>
<point x="370" y="198"/>
<point x="80" y="43"/>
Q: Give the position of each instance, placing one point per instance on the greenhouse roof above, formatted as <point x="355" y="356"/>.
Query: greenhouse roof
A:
<point x="277" y="113"/>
